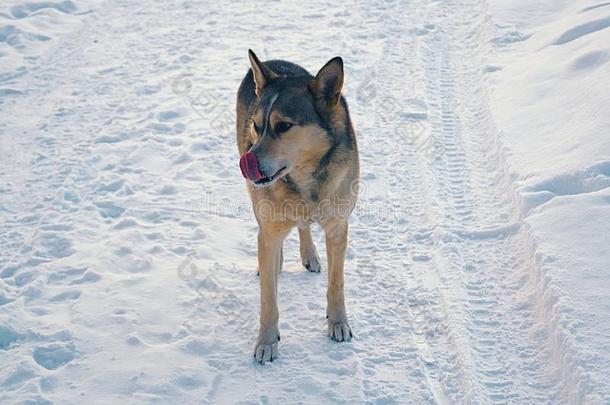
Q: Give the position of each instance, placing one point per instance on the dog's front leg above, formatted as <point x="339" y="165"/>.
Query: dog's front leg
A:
<point x="336" y="245"/>
<point x="269" y="254"/>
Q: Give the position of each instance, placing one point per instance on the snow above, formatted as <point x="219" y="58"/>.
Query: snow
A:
<point x="478" y="264"/>
<point x="559" y="149"/>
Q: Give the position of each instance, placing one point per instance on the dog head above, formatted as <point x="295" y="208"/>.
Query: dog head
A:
<point x="291" y="127"/>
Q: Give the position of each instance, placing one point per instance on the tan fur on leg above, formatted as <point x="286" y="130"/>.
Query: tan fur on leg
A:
<point x="309" y="254"/>
<point x="336" y="246"/>
<point x="270" y="240"/>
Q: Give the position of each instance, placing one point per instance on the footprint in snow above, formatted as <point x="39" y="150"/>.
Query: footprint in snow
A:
<point x="18" y="377"/>
<point x="52" y="246"/>
<point x="67" y="296"/>
<point x="54" y="356"/>
<point x="7" y="337"/>
<point x="108" y="209"/>
<point x="164" y="116"/>
<point x="111" y="187"/>
<point x="59" y="277"/>
<point x="24" y="10"/>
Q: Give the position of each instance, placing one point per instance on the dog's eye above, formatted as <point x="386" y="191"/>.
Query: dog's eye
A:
<point x="254" y="126"/>
<point x="282" y="127"/>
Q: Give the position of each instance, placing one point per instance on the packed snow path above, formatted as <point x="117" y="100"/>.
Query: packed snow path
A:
<point x="128" y="254"/>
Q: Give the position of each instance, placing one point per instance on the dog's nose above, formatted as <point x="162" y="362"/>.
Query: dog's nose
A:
<point x="249" y="166"/>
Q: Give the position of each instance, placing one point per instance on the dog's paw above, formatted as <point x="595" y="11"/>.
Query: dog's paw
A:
<point x="311" y="261"/>
<point x="340" y="331"/>
<point x="266" y="351"/>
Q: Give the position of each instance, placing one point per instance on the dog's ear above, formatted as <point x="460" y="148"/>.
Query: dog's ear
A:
<point x="262" y="74"/>
<point x="326" y="86"/>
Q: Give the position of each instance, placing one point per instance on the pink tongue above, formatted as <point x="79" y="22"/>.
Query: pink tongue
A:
<point x="249" y="167"/>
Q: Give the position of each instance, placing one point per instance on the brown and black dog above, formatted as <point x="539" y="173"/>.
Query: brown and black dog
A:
<point x="299" y="156"/>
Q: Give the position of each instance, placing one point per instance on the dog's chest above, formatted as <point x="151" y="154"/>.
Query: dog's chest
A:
<point x="287" y="204"/>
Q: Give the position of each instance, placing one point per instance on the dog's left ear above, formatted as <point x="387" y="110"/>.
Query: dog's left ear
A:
<point x="327" y="85"/>
<point x="262" y="74"/>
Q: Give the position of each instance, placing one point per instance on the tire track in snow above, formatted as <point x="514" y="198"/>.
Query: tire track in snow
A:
<point x="504" y="346"/>
<point x="404" y="280"/>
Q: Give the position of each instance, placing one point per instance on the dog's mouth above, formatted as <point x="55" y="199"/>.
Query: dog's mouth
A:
<point x="248" y="164"/>
<point x="267" y="181"/>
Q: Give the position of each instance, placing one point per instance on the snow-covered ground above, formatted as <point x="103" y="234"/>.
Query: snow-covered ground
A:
<point x="478" y="268"/>
<point x="550" y="104"/>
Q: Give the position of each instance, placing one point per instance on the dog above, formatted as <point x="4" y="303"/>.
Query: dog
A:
<point x="299" y="156"/>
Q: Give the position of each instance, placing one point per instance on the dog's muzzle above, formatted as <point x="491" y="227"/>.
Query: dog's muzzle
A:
<point x="249" y="167"/>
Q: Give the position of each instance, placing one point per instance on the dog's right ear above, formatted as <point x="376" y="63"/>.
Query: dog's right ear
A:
<point x="262" y="74"/>
<point x="326" y="86"/>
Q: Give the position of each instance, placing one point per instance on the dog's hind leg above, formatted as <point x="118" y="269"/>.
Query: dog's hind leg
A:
<point x="336" y="246"/>
<point x="270" y="240"/>
<point x="281" y="262"/>
<point x="309" y="254"/>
